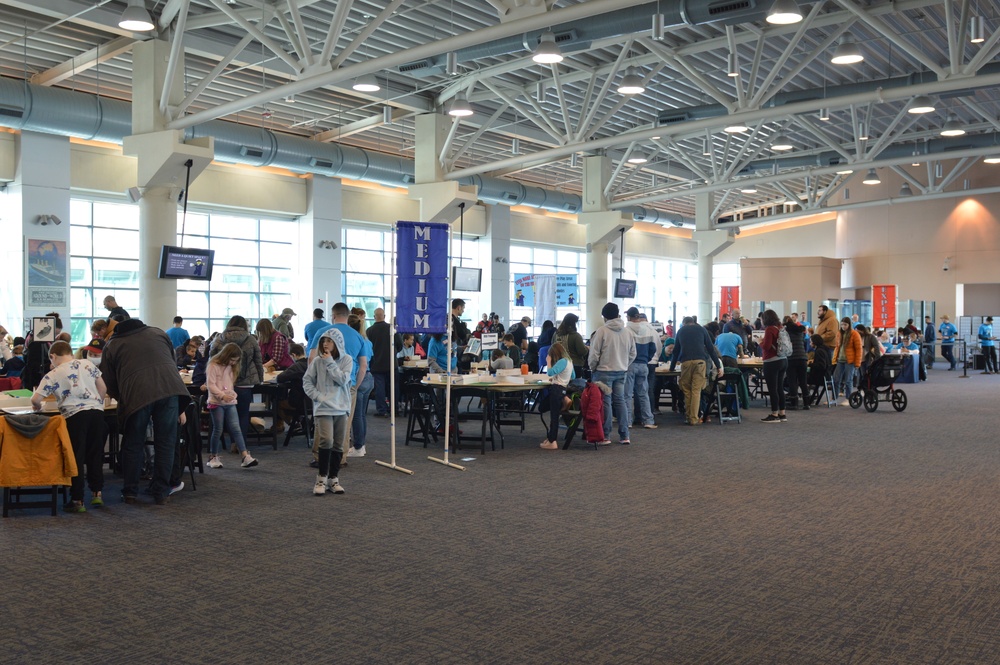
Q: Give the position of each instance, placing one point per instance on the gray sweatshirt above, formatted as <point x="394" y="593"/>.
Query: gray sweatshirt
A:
<point x="612" y="348"/>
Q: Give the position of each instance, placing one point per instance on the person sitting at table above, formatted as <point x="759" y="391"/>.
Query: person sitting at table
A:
<point x="730" y="347"/>
<point x="79" y="391"/>
<point x="512" y="348"/>
<point x="571" y="340"/>
<point x="201" y="363"/>
<point x="907" y="345"/>
<point x="273" y="347"/>
<point x="439" y="355"/>
<point x="499" y="360"/>
<point x="294" y="404"/>
<point x="327" y="382"/>
<point x="408" y="351"/>
<point x="560" y="372"/>
<point x="222" y="374"/>
<point x="15" y="364"/>
<point x="187" y="353"/>
<point x="820" y="366"/>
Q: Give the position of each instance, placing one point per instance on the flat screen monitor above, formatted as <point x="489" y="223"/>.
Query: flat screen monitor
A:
<point x="466" y="279"/>
<point x="625" y="288"/>
<point x="186" y="263"/>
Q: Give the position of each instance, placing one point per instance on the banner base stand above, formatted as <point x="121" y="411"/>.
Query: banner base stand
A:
<point x="446" y="463"/>
<point x="394" y="467"/>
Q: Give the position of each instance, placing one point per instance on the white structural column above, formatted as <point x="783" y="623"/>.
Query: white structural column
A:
<point x="162" y="156"/>
<point x="710" y="243"/>
<point x="438" y="199"/>
<point x="603" y="227"/>
<point x="41" y="186"/>
<point x="320" y="265"/>
<point x="498" y="272"/>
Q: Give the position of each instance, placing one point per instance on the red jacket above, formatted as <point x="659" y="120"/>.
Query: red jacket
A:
<point x="592" y="404"/>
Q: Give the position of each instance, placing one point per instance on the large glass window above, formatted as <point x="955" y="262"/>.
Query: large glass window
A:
<point x="529" y="260"/>
<point x="104" y="248"/>
<point x="663" y="285"/>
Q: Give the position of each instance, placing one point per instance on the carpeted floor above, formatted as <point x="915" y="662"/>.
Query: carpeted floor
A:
<point x="838" y="537"/>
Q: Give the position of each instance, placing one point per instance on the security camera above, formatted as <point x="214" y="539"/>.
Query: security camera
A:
<point x="945" y="266"/>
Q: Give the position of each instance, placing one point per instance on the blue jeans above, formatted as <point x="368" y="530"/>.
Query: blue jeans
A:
<point x="637" y="390"/>
<point x="843" y="379"/>
<point x="615" y="381"/>
<point x="225" y="415"/>
<point x="164" y="413"/>
<point x="381" y="392"/>
<point x="359" y="422"/>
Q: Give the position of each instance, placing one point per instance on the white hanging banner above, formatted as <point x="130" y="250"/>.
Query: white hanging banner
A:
<point x="545" y="298"/>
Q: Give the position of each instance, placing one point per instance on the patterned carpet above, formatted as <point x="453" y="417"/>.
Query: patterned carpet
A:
<point x="838" y="537"/>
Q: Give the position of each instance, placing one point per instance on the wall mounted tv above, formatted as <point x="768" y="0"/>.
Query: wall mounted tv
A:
<point x="186" y="263"/>
<point x="466" y="279"/>
<point x="625" y="288"/>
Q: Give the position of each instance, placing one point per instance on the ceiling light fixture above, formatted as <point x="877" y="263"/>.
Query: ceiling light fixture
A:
<point x="366" y="83"/>
<point x="547" y="52"/>
<point x="706" y="149"/>
<point x="659" y="30"/>
<point x="862" y="132"/>
<point x="637" y="157"/>
<point x="736" y="128"/>
<point x="991" y="159"/>
<point x="784" y="12"/>
<point x="135" y="17"/>
<point x="631" y="83"/>
<point x="515" y="146"/>
<point x="921" y="104"/>
<point x="952" y="126"/>
<point x="574" y="160"/>
<point x="824" y="114"/>
<point x="289" y="99"/>
<point x="905" y="190"/>
<point x="733" y="69"/>
<point x="781" y="142"/>
<point x="977" y="30"/>
<point x="844" y="169"/>
<point x="748" y="189"/>
<point x="847" y="52"/>
<point x="872" y="178"/>
<point x="459" y="107"/>
<point x="451" y="64"/>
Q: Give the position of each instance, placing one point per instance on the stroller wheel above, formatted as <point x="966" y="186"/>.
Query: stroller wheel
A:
<point x="855" y="399"/>
<point x="871" y="401"/>
<point x="898" y="400"/>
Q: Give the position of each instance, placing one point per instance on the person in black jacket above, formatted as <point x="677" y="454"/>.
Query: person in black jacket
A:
<point x="296" y="401"/>
<point x="820" y="366"/>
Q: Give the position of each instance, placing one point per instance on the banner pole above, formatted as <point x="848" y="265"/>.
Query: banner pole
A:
<point x="392" y="360"/>
<point x="447" y="388"/>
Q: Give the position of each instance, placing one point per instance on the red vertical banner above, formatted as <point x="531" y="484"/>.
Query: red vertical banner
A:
<point x="729" y="299"/>
<point x="884" y="306"/>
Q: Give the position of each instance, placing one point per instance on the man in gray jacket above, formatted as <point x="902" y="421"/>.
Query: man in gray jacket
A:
<point x="612" y="350"/>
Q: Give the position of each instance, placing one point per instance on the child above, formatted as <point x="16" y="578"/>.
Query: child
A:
<point x="15" y="365"/>
<point x="513" y="351"/>
<point x="560" y="371"/>
<point x="407" y="352"/>
<point x="220" y="376"/>
<point x="79" y="391"/>
<point x="327" y="382"/>
<point x="499" y="360"/>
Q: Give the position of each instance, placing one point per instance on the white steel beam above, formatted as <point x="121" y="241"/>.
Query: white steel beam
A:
<point x="259" y="36"/>
<point x="365" y="33"/>
<point x="84" y="61"/>
<point x="176" y="53"/>
<point x="336" y="27"/>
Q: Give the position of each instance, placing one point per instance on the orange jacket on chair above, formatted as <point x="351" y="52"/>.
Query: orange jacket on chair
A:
<point x="35" y="450"/>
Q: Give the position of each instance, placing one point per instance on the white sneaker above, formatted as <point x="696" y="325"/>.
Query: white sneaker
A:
<point x="249" y="462"/>
<point x="650" y="426"/>
<point x="214" y="463"/>
<point x="844" y="402"/>
<point x="333" y="485"/>
<point x="319" y="489"/>
<point x="356" y="452"/>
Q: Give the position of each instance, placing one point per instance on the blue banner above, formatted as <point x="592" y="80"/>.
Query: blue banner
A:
<point x="422" y="278"/>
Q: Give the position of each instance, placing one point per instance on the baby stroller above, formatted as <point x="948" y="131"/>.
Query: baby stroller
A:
<point x="876" y="384"/>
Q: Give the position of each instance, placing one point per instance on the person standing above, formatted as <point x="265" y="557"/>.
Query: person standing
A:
<point x="140" y="372"/>
<point x="520" y="332"/>
<point x="847" y="357"/>
<point x="948" y="331"/>
<point x="735" y="325"/>
<point x="317" y="325"/>
<point x="380" y="336"/>
<point x="178" y="336"/>
<point x="692" y="348"/>
<point x="571" y="340"/>
<point x="775" y="366"/>
<point x="221" y="375"/>
<point x="612" y="350"/>
<point x="359" y="415"/>
<point x="827" y="326"/>
<point x="353" y="346"/>
<point x="928" y="342"/>
<point x="988" y="345"/>
<point x="327" y="383"/>
<point x="459" y="331"/>
<point x="798" y="362"/>
<point x="115" y="310"/>
<point x="251" y="365"/>
<point x="637" y="379"/>
<point x="79" y="391"/>
<point x="283" y="323"/>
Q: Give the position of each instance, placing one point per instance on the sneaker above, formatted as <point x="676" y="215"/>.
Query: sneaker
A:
<point x="176" y="488"/>
<point x="356" y="452"/>
<point x="319" y="489"/>
<point x="333" y="485"/>
<point x="75" y="507"/>
<point x="650" y="426"/>
<point x="214" y="462"/>
<point x="248" y="462"/>
<point x="605" y="442"/>
<point x="549" y="445"/>
<point x="625" y="442"/>
<point x="783" y="418"/>
<point x="771" y="419"/>
<point x="97" y="500"/>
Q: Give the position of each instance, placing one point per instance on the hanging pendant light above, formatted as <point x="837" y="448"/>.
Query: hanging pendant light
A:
<point x="905" y="189"/>
<point x="784" y="12"/>
<point x="732" y="70"/>
<point x="638" y="157"/>
<point x="977" y="30"/>
<point x="847" y="52"/>
<point x="991" y="159"/>
<point x="547" y="52"/>
<point x="366" y="83"/>
<point x="871" y="178"/>
<point x="952" y="126"/>
<point x="631" y="83"/>
<point x="736" y="128"/>
<point x="136" y="18"/>
<point x="782" y="143"/>
<point x="748" y="189"/>
<point x="824" y="114"/>
<point x="460" y="106"/>
<point x="921" y="104"/>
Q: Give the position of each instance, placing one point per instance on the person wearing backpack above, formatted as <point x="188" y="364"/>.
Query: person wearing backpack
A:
<point x="251" y="365"/>
<point x="847" y="357"/>
<point x="797" y="361"/>
<point x="776" y="347"/>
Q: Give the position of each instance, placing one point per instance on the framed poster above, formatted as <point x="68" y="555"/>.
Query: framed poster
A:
<point x="43" y="328"/>
<point x="46" y="263"/>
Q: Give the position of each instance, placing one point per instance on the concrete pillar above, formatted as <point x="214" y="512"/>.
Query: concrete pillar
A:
<point x="439" y="200"/>
<point x="162" y="158"/>
<point x="497" y="277"/>
<point x="320" y="266"/>
<point x="41" y="186"/>
<point x="598" y="285"/>
<point x="710" y="242"/>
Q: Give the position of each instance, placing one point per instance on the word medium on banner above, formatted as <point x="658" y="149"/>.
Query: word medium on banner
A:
<point x="422" y="278"/>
